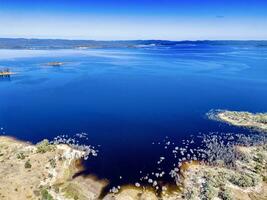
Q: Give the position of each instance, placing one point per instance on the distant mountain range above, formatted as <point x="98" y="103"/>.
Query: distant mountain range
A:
<point x="22" y="43"/>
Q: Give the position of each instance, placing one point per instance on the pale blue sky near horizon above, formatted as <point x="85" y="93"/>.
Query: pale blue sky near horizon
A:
<point x="139" y="19"/>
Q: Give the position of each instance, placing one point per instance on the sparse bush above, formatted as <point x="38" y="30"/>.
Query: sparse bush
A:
<point x="261" y="118"/>
<point x="45" y="195"/>
<point x="44" y="146"/>
<point x="56" y="189"/>
<point x="52" y="163"/>
<point x="208" y="191"/>
<point x="243" y="180"/>
<point x="189" y="195"/>
<point x="20" y="156"/>
<point x="50" y="175"/>
<point x="245" y="157"/>
<point x="71" y="191"/>
<point x="216" y="179"/>
<point x="225" y="194"/>
<point x="27" y="164"/>
<point x="259" y="158"/>
<point x="36" y="192"/>
<point x="258" y="168"/>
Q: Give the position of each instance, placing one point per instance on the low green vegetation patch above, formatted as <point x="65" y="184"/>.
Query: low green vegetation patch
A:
<point x="215" y="182"/>
<point x="21" y="156"/>
<point x="71" y="192"/>
<point x="27" y="164"/>
<point x="225" y="194"/>
<point x="45" y="195"/>
<point x="261" y="118"/>
<point x="52" y="163"/>
<point x="243" y="179"/>
<point x="208" y="191"/>
<point x="44" y="146"/>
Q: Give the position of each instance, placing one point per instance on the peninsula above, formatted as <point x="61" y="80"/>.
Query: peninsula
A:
<point x="244" y="119"/>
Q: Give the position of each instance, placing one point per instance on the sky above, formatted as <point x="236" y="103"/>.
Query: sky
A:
<point x="135" y="19"/>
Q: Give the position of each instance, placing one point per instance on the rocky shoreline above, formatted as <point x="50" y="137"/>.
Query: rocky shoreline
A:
<point x="43" y="171"/>
<point x="47" y="171"/>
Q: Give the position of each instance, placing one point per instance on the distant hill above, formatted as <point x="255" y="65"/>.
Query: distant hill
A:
<point x="22" y="43"/>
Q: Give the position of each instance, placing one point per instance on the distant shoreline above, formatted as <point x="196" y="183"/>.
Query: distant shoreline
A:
<point x="23" y="43"/>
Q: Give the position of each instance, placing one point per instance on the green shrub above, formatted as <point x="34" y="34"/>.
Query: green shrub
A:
<point x="259" y="158"/>
<point x="20" y="156"/>
<point x="71" y="191"/>
<point x="53" y="163"/>
<point x="261" y="118"/>
<point x="258" y="168"/>
<point x="225" y="194"/>
<point x="208" y="190"/>
<point x="27" y="164"/>
<point x="44" y="146"/>
<point x="188" y="195"/>
<point x="243" y="180"/>
<point x="45" y="195"/>
<point x="36" y="192"/>
<point x="56" y="188"/>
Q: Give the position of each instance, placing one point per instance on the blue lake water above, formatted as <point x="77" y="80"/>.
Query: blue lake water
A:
<point x="126" y="99"/>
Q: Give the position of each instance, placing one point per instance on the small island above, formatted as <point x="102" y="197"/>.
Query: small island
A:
<point x="6" y="73"/>
<point x="55" y="64"/>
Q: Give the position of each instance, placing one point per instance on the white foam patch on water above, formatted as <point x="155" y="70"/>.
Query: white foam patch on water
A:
<point x="75" y="143"/>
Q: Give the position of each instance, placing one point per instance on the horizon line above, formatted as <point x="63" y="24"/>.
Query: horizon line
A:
<point x="96" y="40"/>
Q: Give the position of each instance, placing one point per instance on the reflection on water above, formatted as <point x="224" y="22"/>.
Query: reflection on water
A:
<point x="126" y="100"/>
<point x="5" y="78"/>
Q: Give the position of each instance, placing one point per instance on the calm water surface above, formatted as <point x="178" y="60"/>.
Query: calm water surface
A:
<point x="126" y="99"/>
